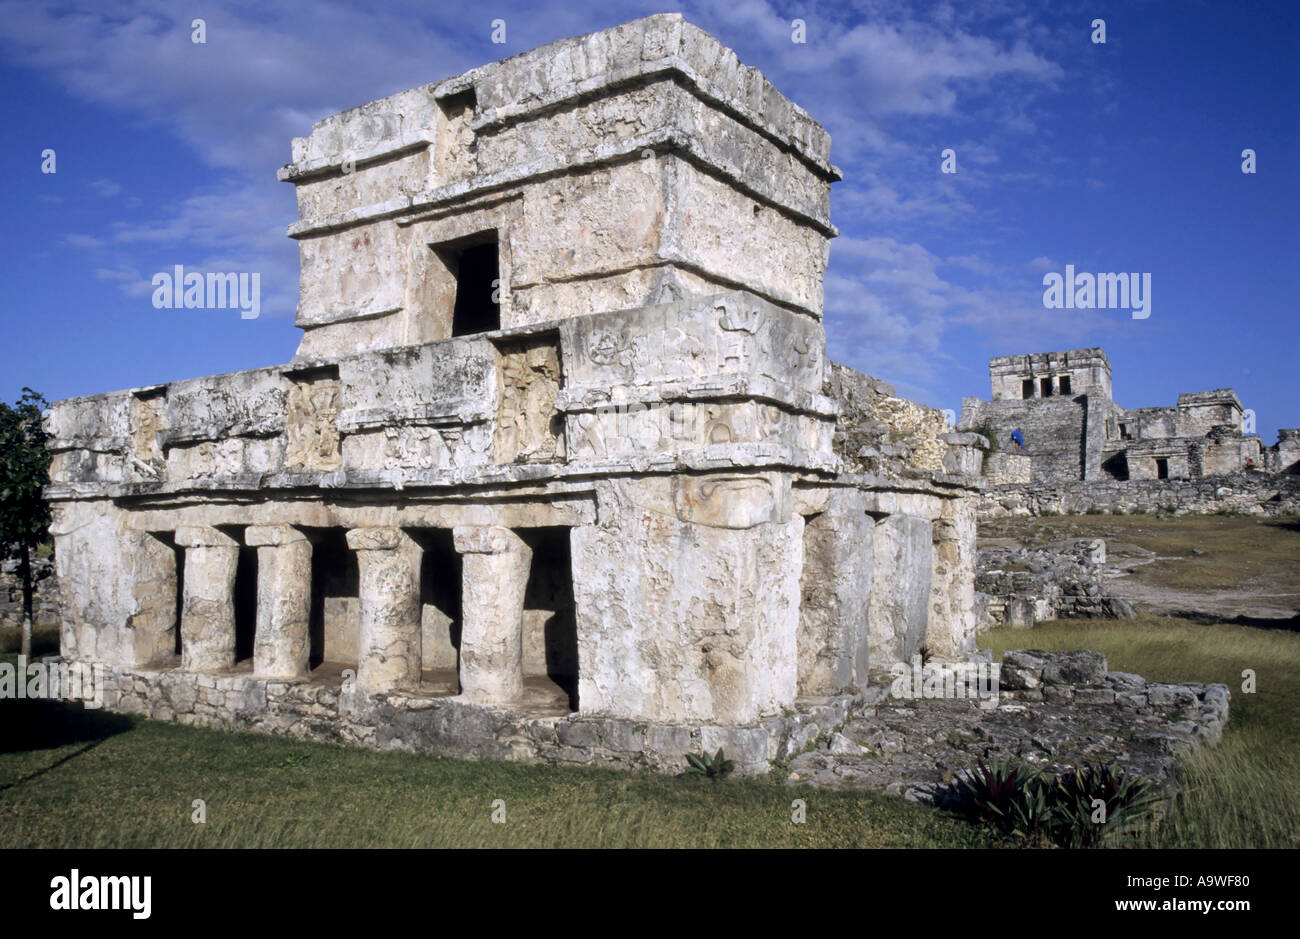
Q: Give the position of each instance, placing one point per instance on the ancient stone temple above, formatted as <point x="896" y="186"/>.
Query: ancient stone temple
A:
<point x="1074" y="430"/>
<point x="560" y="470"/>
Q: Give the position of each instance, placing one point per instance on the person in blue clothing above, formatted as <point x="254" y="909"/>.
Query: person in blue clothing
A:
<point x="1018" y="439"/>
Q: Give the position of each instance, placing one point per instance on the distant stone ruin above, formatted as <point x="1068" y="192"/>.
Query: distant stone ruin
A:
<point x="560" y="471"/>
<point x="1073" y="430"/>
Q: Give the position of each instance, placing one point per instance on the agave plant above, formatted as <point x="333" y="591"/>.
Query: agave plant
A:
<point x="1008" y="795"/>
<point x="1128" y="801"/>
<point x="714" y="767"/>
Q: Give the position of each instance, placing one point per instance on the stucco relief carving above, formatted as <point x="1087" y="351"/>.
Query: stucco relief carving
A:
<point x="312" y="440"/>
<point x="148" y="419"/>
<point x="528" y="427"/>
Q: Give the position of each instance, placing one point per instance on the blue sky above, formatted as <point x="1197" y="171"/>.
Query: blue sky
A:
<point x="1117" y="157"/>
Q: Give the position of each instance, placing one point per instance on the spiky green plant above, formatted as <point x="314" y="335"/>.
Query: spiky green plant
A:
<point x="1008" y="795"/>
<point x="714" y="767"/>
<point x="1128" y="802"/>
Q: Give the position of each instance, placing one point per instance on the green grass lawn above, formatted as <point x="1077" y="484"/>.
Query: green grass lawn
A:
<point x="120" y="782"/>
<point x="88" y="779"/>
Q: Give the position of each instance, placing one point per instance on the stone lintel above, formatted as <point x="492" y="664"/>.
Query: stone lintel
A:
<point x="204" y="536"/>
<point x="486" y="539"/>
<point x="376" y="539"/>
<point x="272" y="535"/>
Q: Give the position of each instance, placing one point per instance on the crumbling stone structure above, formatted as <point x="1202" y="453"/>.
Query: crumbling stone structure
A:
<point x="1019" y="587"/>
<point x="1074" y="430"/>
<point x="559" y="470"/>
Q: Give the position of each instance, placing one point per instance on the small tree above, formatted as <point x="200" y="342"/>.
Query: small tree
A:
<point x="24" y="471"/>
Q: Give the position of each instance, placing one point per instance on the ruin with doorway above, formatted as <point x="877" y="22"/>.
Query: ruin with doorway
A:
<point x="559" y="471"/>
<point x="1074" y="430"/>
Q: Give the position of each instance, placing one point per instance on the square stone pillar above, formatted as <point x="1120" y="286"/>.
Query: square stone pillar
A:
<point x="153" y="594"/>
<point x="898" y="609"/>
<point x="495" y="566"/>
<point x="208" y="608"/>
<point x="388" y="644"/>
<point x="838" y="561"/>
<point x="950" y="632"/>
<point x="282" y="643"/>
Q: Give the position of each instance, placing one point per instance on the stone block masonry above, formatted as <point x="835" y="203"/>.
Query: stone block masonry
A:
<point x="1260" y="494"/>
<point x="559" y="471"/>
<point x="1054" y="711"/>
<point x="1074" y="430"/>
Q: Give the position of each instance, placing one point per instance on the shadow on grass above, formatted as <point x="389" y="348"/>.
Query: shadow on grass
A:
<point x="45" y="725"/>
<point x="1289" y="623"/>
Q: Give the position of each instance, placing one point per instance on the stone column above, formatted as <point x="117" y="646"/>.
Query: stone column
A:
<point x="282" y="643"/>
<point x="388" y="644"/>
<point x="208" y="611"/>
<point x="153" y="592"/>
<point x="495" y="565"/>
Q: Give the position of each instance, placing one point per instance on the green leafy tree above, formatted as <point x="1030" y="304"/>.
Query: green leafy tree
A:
<point x="24" y="471"/>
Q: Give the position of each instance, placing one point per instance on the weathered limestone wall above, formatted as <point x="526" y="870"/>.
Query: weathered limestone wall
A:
<point x="838" y="571"/>
<point x="950" y="629"/>
<point x="604" y="189"/>
<point x="1284" y="457"/>
<point x="332" y="711"/>
<point x="560" y="437"/>
<point x="1020" y="587"/>
<point x="688" y="598"/>
<point x="1088" y="371"/>
<point x="1054" y="430"/>
<point x="1246" y="493"/>
<point x="878" y="432"/>
<point x="1006" y="468"/>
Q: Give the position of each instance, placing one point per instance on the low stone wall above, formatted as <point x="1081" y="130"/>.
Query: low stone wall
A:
<point x="1019" y="587"/>
<point x="45" y="600"/>
<point x="1002" y="468"/>
<point x="334" y="711"/>
<point x="1244" y="493"/>
<point x="1054" y="710"/>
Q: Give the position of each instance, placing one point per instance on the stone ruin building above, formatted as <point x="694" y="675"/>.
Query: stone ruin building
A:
<point x="559" y="471"/>
<point x="1074" y="430"/>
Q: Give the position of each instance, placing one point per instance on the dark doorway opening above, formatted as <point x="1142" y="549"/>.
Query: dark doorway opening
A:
<point x="335" y="607"/>
<point x="550" y="625"/>
<point x="1162" y="469"/>
<point x="440" y="610"/>
<point x="1027" y="388"/>
<point x="1045" y="386"/>
<point x="1065" y="384"/>
<point x="476" y="266"/>
<point x="245" y="603"/>
<point x="1116" y="467"/>
<point x="180" y="596"/>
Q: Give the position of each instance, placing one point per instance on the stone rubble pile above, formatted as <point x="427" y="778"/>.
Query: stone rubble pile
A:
<point x="1055" y="710"/>
<point x="1019" y="587"/>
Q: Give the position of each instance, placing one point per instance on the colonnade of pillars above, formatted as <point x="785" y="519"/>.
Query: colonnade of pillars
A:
<point x="495" y="568"/>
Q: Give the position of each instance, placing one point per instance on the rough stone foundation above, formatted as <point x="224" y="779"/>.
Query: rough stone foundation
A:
<point x="1056" y="710"/>
<point x="334" y="710"/>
